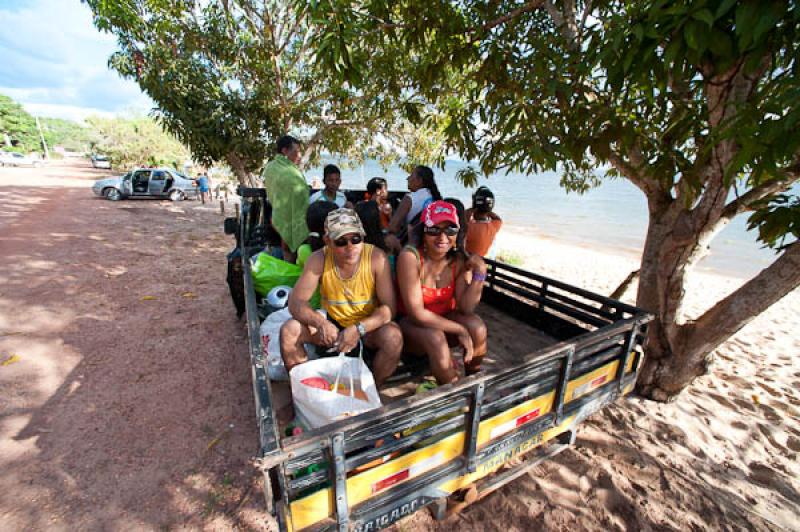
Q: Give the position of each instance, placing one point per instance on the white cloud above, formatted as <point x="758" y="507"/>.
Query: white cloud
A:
<point x="55" y="61"/>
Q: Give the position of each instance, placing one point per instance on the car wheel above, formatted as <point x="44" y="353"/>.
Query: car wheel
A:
<point x="176" y="195"/>
<point x="112" y="194"/>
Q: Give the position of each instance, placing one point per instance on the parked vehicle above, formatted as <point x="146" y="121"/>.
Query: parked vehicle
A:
<point x="18" y="159"/>
<point x="581" y="352"/>
<point x="101" y="161"/>
<point x="147" y="183"/>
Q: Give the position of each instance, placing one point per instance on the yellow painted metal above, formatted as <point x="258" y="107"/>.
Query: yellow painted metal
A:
<point x="320" y="505"/>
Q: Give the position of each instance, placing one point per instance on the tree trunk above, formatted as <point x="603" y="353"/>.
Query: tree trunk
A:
<point x="239" y="170"/>
<point x="676" y="352"/>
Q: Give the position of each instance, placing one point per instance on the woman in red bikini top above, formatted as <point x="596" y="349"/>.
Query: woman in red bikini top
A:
<point x="439" y="289"/>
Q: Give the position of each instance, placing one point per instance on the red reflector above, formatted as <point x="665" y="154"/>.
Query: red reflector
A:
<point x="599" y="380"/>
<point x="527" y="417"/>
<point x="390" y="481"/>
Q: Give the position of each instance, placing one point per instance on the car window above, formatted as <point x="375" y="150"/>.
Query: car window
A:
<point x="158" y="175"/>
<point x="142" y="173"/>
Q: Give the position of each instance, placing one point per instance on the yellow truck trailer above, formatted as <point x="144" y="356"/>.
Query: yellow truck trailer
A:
<point x="557" y="354"/>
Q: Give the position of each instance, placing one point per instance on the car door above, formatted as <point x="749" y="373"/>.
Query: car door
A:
<point x="158" y="179"/>
<point x="127" y="186"/>
<point x="141" y="182"/>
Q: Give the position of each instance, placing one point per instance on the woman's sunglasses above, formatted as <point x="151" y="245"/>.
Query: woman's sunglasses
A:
<point x="343" y="241"/>
<point x="436" y="230"/>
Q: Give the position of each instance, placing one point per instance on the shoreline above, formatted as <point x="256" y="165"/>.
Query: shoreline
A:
<point x="514" y="238"/>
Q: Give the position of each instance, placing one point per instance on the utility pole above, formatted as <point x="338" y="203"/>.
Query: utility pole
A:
<point x="44" y="143"/>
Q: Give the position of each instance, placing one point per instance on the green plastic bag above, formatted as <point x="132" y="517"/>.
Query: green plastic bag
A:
<point x="269" y="272"/>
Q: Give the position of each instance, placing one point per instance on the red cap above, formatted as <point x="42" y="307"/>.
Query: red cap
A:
<point x="438" y="212"/>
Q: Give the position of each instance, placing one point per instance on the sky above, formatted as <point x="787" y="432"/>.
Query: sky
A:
<point x="55" y="62"/>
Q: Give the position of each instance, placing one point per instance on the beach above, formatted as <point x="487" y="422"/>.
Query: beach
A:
<point x="723" y="455"/>
<point x="127" y="397"/>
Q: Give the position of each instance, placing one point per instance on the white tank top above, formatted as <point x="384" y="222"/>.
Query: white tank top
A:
<point x="419" y="200"/>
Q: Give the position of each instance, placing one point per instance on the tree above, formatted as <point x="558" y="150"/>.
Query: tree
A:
<point x="17" y="127"/>
<point x="66" y="133"/>
<point x="695" y="102"/>
<point x="229" y="77"/>
<point x="137" y="141"/>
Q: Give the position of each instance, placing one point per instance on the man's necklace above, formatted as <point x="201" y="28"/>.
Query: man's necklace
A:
<point x="348" y="293"/>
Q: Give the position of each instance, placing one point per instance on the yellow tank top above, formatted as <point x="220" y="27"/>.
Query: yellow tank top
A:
<point x="349" y="301"/>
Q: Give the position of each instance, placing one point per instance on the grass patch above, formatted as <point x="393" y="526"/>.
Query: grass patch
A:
<point x="510" y="257"/>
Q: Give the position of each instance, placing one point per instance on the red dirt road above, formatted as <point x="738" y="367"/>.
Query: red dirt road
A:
<point x="119" y="411"/>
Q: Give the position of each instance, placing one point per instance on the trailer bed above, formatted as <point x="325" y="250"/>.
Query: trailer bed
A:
<point x="557" y="354"/>
<point x="509" y="341"/>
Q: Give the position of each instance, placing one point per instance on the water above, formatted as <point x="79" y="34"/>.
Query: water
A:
<point x="611" y="216"/>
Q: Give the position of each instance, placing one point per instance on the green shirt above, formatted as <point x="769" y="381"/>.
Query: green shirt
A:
<point x="303" y="252"/>
<point x="288" y="193"/>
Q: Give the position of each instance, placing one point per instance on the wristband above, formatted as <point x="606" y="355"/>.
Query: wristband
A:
<point x="478" y="276"/>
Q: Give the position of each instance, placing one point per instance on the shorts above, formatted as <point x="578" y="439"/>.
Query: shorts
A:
<point x="204" y="189"/>
<point x="368" y="354"/>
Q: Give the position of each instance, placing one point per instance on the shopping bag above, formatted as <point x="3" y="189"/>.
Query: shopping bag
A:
<point x="314" y="385"/>
<point x="268" y="272"/>
<point x="270" y="332"/>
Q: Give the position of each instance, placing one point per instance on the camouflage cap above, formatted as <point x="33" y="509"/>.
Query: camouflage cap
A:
<point x="342" y="222"/>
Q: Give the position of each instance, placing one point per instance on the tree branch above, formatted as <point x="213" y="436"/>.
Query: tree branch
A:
<point x="745" y="202"/>
<point x="729" y="315"/>
<point x="565" y="20"/>
<point x="521" y="10"/>
<point x="632" y="171"/>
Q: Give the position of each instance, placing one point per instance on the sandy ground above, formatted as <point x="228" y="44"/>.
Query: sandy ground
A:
<point x="126" y="402"/>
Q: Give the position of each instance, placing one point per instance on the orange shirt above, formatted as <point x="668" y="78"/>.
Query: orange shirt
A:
<point x="480" y="235"/>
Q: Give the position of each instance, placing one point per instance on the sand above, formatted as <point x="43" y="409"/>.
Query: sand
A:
<point x="120" y="411"/>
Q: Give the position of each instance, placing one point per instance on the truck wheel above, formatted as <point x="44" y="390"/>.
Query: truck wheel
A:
<point x="112" y="194"/>
<point x="176" y="195"/>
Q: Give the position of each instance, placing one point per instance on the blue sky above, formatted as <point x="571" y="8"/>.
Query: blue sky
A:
<point x="54" y="62"/>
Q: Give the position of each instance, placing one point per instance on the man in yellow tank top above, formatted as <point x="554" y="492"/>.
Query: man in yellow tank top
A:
<point x="355" y="283"/>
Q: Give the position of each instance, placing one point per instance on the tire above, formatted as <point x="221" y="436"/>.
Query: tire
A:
<point x="176" y="195"/>
<point x="112" y="194"/>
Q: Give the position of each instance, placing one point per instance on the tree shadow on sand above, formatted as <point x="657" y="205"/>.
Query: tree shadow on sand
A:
<point x="123" y="410"/>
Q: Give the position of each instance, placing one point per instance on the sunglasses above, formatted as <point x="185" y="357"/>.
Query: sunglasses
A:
<point x="343" y="241"/>
<point x="436" y="230"/>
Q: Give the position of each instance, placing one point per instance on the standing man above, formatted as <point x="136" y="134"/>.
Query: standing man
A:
<point x="357" y="293"/>
<point x="482" y="222"/>
<point x="332" y="180"/>
<point x="288" y="193"/>
<point x="204" y="186"/>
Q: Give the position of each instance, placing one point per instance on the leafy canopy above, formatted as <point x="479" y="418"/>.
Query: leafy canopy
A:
<point x="229" y="77"/>
<point x="580" y="87"/>
<point x="18" y="125"/>
<point x="137" y="141"/>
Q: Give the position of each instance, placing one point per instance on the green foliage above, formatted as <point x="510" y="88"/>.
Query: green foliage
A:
<point x="66" y="133"/>
<point x="230" y="77"/>
<point x="626" y="86"/>
<point x="777" y="221"/>
<point x="137" y="141"/>
<point x="19" y="126"/>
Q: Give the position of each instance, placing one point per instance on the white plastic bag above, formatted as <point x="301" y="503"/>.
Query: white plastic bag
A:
<point x="316" y="407"/>
<point x="270" y="332"/>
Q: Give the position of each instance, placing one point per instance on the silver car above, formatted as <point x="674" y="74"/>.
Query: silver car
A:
<point x="101" y="161"/>
<point x="147" y="183"/>
<point x="17" y="159"/>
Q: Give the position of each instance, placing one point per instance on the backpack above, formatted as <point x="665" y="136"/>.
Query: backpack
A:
<point x="235" y="280"/>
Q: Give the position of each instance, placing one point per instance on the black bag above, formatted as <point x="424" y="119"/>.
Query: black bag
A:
<point x="236" y="280"/>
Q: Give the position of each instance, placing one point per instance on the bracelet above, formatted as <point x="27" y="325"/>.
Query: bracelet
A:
<point x="478" y="276"/>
